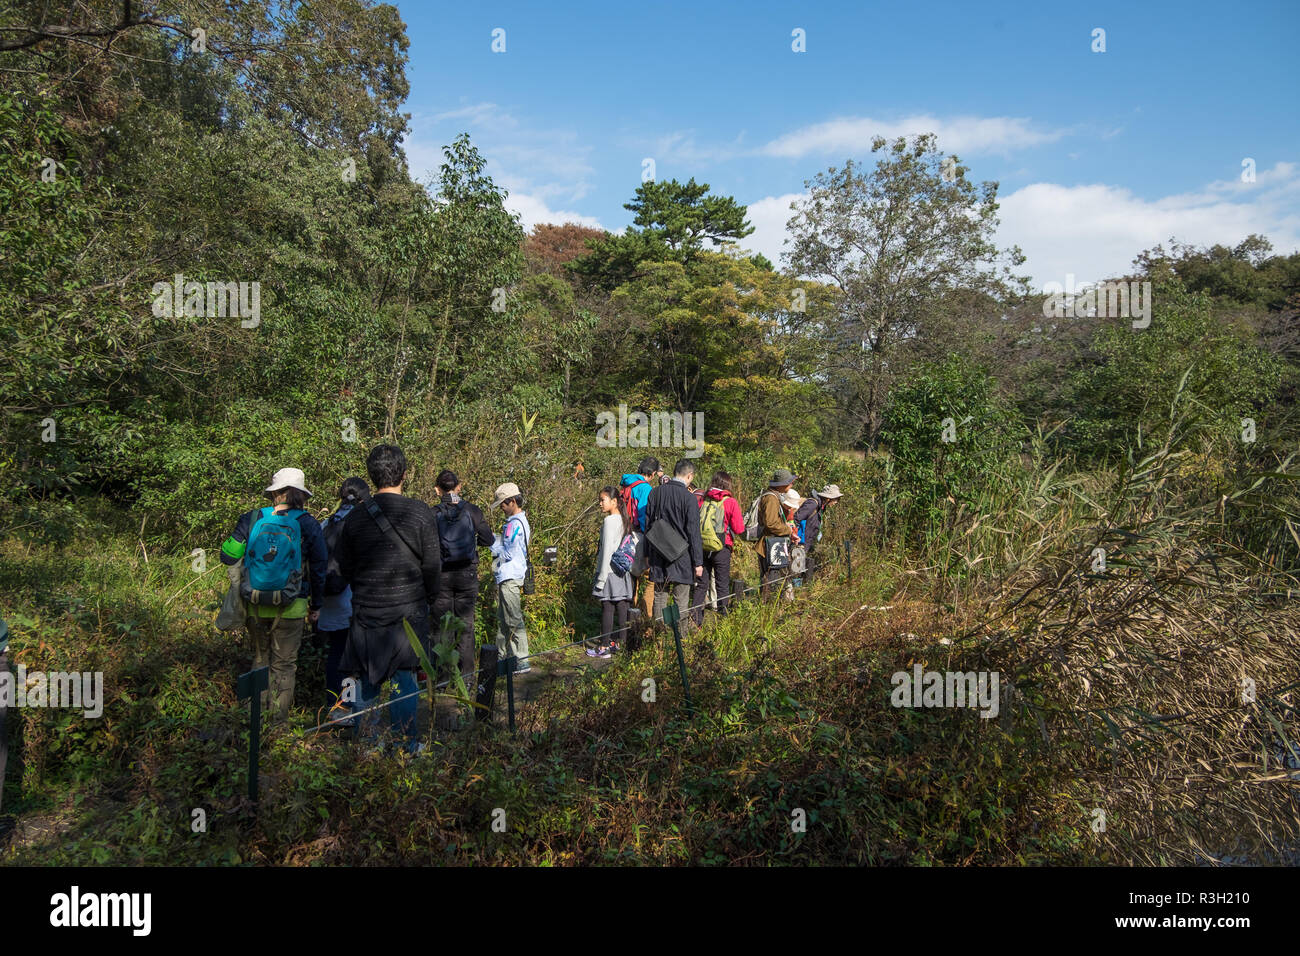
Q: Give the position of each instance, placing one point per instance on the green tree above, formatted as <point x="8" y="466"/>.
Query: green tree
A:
<point x="724" y="338"/>
<point x="673" y="222"/>
<point x="1245" y="274"/>
<point x="1217" y="374"/>
<point x="946" y="431"/>
<point x="894" y="242"/>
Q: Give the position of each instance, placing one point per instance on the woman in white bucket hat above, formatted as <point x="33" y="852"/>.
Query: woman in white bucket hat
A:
<point x="282" y="580"/>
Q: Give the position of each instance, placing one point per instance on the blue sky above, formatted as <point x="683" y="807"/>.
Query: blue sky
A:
<point x="1099" y="155"/>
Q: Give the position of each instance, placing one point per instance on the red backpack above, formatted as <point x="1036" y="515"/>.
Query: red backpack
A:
<point x="630" y="506"/>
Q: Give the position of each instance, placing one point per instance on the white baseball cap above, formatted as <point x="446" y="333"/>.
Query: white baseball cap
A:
<point x="288" y="478"/>
<point x="508" y="490"/>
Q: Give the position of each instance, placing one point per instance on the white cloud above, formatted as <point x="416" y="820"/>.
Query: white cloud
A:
<point x="423" y="158"/>
<point x="680" y="149"/>
<point x="960" y="134"/>
<point x="1095" y="231"/>
<point x="768" y="217"/>
<point x="533" y="210"/>
<point x="544" y="163"/>
<point x="481" y="115"/>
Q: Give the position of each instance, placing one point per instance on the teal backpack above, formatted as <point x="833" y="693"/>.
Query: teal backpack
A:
<point x="273" y="559"/>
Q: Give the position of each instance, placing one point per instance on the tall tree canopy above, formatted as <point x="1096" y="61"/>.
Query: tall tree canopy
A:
<point x="893" y="241"/>
<point x="673" y="222"/>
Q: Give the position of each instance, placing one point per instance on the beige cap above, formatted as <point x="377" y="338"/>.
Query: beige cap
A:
<point x="830" y="491"/>
<point x="288" y="478"/>
<point x="508" y="490"/>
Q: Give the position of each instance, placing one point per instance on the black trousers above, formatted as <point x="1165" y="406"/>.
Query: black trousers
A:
<point x="458" y="594"/>
<point x="772" y="580"/>
<point x="608" y="611"/>
<point x="334" y="641"/>
<point x="717" y="563"/>
<point x="812" y="565"/>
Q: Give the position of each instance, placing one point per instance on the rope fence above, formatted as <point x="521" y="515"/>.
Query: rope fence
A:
<point x="832" y="561"/>
<point x="251" y="684"/>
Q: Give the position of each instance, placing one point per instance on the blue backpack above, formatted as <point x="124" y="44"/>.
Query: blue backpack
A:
<point x="273" y="559"/>
<point x="621" y="560"/>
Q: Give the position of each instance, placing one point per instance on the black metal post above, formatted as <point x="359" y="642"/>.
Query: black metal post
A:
<point x="510" y="689"/>
<point x="672" y="617"/>
<point x="250" y="686"/>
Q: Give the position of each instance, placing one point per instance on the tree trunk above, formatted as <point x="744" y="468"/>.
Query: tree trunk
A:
<point x="399" y="369"/>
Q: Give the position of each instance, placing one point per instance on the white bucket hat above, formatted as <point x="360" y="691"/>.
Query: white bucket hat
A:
<point x="508" y="490"/>
<point x="830" y="491"/>
<point x="288" y="478"/>
<point x="791" y="499"/>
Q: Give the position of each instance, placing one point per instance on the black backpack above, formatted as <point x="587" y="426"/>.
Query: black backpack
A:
<point x="334" y="581"/>
<point x="456" y="533"/>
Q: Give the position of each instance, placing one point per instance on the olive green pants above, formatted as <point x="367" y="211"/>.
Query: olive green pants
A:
<point x="275" y="644"/>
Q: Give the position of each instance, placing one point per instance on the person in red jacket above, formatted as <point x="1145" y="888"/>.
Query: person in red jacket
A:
<point x="718" y="563"/>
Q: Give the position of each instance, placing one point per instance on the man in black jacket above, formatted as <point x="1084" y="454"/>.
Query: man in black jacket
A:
<point x="462" y="530"/>
<point x="390" y="554"/>
<point x="675" y="509"/>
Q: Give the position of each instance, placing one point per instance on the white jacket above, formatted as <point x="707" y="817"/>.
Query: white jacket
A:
<point x="611" y="536"/>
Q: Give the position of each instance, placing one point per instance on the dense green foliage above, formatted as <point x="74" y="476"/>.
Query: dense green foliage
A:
<point x="132" y="432"/>
<point x="948" y="433"/>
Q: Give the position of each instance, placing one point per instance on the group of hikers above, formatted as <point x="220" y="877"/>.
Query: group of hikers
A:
<point x="383" y="560"/>
<point x="662" y="536"/>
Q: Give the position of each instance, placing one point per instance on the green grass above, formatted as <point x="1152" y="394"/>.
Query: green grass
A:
<point x="793" y="721"/>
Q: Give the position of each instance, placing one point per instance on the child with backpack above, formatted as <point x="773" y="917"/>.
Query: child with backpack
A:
<point x="721" y="523"/>
<point x="634" y="491"/>
<point x="613" y="587"/>
<point x="791" y="502"/>
<point x="336" y="613"/>
<point x="282" y="582"/>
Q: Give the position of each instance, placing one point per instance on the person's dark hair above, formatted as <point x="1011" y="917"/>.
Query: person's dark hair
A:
<point x="447" y="480"/>
<point x="609" y="491"/>
<point x="517" y="499"/>
<point x="648" y="466"/>
<point x="386" y="466"/>
<point x="683" y="468"/>
<point x="721" y="480"/>
<point x="353" y="491"/>
<point x="292" y="497"/>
